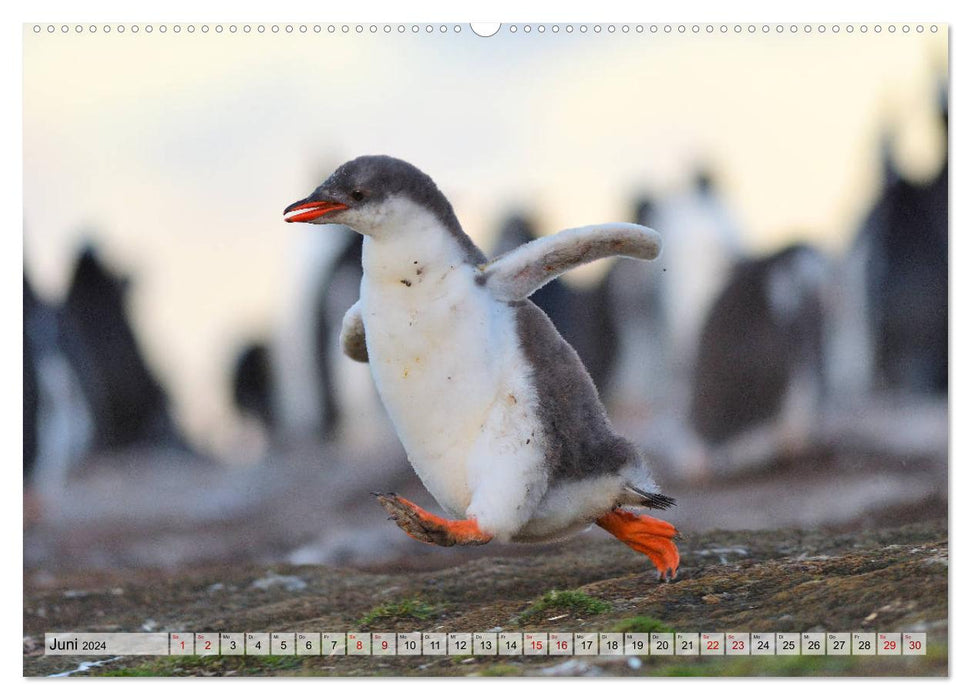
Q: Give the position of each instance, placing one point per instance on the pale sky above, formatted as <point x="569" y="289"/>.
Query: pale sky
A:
<point x="177" y="153"/>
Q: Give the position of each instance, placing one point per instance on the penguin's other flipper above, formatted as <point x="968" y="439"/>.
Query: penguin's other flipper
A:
<point x="421" y="525"/>
<point x="352" y="334"/>
<point x="520" y="272"/>
<point x="646" y="535"/>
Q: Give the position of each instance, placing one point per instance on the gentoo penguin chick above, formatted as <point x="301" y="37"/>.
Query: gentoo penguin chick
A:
<point x="497" y="414"/>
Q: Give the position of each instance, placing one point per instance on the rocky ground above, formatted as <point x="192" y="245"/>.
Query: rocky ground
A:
<point x="829" y="540"/>
<point x="882" y="576"/>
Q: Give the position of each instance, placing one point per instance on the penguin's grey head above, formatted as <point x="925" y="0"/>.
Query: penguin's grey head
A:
<point x="374" y="195"/>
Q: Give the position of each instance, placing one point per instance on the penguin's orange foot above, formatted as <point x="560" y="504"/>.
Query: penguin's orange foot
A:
<point x="646" y="535"/>
<point x="431" y="529"/>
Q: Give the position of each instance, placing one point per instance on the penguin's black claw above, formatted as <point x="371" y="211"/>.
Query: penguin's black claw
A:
<point x="667" y="576"/>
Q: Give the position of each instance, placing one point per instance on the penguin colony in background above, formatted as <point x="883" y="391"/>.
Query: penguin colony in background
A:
<point x="791" y="328"/>
<point x="87" y="387"/>
<point x="496" y="412"/>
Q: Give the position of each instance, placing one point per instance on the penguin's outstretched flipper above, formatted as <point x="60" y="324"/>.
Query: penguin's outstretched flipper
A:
<point x="352" y="334"/>
<point x="520" y="272"/>
<point x="421" y="525"/>
<point x="646" y="535"/>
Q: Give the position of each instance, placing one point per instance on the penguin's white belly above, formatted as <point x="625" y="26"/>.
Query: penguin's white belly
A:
<point x="447" y="364"/>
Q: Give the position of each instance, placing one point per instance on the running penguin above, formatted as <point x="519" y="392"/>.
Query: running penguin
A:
<point x="497" y="414"/>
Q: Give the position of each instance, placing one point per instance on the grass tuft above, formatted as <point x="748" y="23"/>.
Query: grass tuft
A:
<point x="575" y="602"/>
<point x="412" y="608"/>
<point x="641" y="623"/>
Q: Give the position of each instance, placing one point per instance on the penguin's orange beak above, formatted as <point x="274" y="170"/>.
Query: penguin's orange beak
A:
<point x="308" y="210"/>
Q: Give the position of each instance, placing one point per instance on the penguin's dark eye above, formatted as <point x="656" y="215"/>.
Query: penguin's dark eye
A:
<point x="357" y="195"/>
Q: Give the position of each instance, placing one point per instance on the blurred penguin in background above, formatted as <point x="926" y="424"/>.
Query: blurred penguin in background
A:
<point x="887" y="320"/>
<point x="317" y="391"/>
<point x="584" y="317"/>
<point x="643" y="368"/>
<point x="759" y="371"/>
<point x="301" y="385"/>
<point x="338" y="292"/>
<point x="302" y="391"/>
<point x="128" y="405"/>
<point x="58" y="426"/>
<point x="888" y="331"/>
<point x="904" y="243"/>
<point x="701" y="243"/>
<point x="660" y="310"/>
<point x="253" y="384"/>
<point x="31" y="386"/>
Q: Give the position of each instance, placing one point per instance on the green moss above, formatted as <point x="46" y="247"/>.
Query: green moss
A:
<point x="412" y="608"/>
<point x="566" y="601"/>
<point x="641" y="623"/>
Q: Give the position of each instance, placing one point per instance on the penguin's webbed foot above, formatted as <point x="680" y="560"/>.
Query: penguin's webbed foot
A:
<point x="646" y="535"/>
<point x="425" y="527"/>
